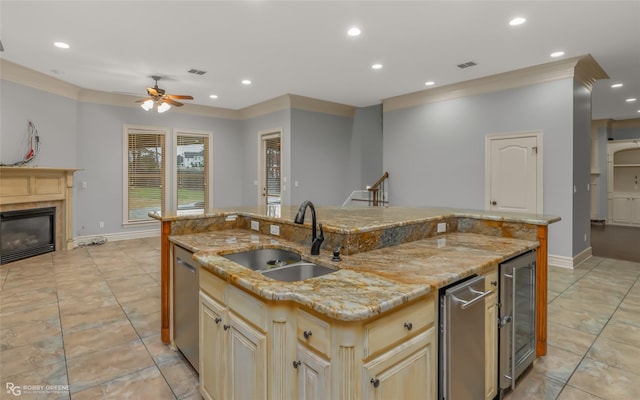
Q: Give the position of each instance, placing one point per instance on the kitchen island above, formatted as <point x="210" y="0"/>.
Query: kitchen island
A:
<point x="392" y="263"/>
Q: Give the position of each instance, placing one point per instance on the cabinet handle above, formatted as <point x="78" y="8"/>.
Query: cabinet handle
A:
<point x="296" y="364"/>
<point x="217" y="320"/>
<point x="307" y="334"/>
<point x="226" y="327"/>
<point x="494" y="283"/>
<point x="408" y="325"/>
<point x="375" y="382"/>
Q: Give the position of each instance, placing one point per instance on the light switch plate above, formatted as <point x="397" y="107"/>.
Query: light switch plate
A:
<point x="274" y="230"/>
<point x="255" y="225"/>
<point x="442" y="227"/>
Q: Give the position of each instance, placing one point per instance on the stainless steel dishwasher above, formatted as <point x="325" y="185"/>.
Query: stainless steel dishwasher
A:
<point x="461" y="351"/>
<point x="185" y="304"/>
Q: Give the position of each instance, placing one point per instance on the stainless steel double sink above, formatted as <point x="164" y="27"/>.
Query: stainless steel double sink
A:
<point x="279" y="264"/>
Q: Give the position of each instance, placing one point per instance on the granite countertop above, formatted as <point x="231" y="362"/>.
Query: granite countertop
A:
<point x="359" y="219"/>
<point x="365" y="284"/>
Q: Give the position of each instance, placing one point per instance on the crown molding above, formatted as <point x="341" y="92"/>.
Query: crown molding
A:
<point x="321" y="106"/>
<point x="266" y="107"/>
<point x="616" y="123"/>
<point x="27" y="77"/>
<point x="124" y="100"/>
<point x="583" y="68"/>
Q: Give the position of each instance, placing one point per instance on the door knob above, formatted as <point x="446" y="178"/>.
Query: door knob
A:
<point x="494" y="203"/>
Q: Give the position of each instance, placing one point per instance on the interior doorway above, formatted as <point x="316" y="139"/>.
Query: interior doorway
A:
<point x="513" y="172"/>
<point x="270" y="168"/>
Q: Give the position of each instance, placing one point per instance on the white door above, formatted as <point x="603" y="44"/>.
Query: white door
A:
<point x="514" y="173"/>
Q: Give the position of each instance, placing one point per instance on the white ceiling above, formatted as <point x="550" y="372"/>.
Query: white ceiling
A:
<point x="301" y="47"/>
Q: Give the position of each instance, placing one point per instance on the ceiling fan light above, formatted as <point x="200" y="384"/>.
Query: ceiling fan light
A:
<point x="163" y="107"/>
<point x="147" y="105"/>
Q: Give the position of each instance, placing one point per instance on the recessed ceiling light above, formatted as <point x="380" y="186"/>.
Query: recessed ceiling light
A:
<point x="517" y="21"/>
<point x="61" y="45"/>
<point x="631" y="100"/>
<point x="213" y="96"/>
<point x="355" y="31"/>
<point x="429" y="83"/>
<point x="557" y="54"/>
<point x="376" y="66"/>
<point x="246" y="82"/>
<point x="616" y="85"/>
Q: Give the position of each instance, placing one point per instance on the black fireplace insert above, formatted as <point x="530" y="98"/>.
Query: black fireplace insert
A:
<point x="26" y="233"/>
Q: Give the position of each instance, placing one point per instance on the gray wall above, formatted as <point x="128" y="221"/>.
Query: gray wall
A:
<point x="320" y="157"/>
<point x="435" y="152"/>
<point x="54" y="116"/>
<point x="365" y="150"/>
<point x="331" y="155"/>
<point x="99" y="143"/>
<point x="581" y="168"/>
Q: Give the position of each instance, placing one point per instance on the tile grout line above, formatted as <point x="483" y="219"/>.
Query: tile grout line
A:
<point x="582" y="359"/>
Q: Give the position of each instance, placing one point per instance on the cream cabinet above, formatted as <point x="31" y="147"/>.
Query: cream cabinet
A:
<point x="626" y="209"/>
<point x="314" y="375"/>
<point x="247" y="357"/>
<point x="251" y="349"/>
<point x="407" y="371"/>
<point x="233" y="351"/>
<point x="212" y="346"/>
<point x="491" y="334"/>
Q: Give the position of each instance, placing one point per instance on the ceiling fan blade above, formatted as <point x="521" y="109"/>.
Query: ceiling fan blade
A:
<point x="180" y="96"/>
<point x="143" y="100"/>
<point x="152" y="91"/>
<point x="172" y="102"/>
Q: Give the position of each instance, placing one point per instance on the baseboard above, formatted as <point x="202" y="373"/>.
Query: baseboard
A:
<point x="570" y="262"/>
<point x="115" y="237"/>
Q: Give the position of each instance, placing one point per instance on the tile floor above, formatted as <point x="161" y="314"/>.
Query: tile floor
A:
<point x="84" y="324"/>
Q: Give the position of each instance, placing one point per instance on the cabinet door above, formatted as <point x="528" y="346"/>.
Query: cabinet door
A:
<point x="407" y="371"/>
<point x="247" y="367"/>
<point x="635" y="210"/>
<point x="313" y="375"/>
<point x="212" y="348"/>
<point x="491" y="347"/>
<point x="622" y="210"/>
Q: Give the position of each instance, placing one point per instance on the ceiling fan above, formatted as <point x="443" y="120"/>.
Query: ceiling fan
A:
<point x="160" y="100"/>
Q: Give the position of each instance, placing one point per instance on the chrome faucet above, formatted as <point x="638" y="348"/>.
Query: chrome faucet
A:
<point x="315" y="241"/>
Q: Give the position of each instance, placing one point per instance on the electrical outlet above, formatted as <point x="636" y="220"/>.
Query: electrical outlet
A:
<point x="274" y="230"/>
<point x="101" y="224"/>
<point x="442" y="227"/>
<point x="255" y="225"/>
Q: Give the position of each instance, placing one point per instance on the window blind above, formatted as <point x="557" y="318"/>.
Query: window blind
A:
<point x="272" y="168"/>
<point x="146" y="174"/>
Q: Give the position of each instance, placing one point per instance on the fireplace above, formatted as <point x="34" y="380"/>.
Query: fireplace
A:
<point x="24" y="190"/>
<point x="26" y="233"/>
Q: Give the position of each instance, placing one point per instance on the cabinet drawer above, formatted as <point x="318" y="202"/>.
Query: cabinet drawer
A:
<point x="314" y="332"/>
<point x="398" y="326"/>
<point x="248" y="307"/>
<point x="491" y="277"/>
<point x="213" y="286"/>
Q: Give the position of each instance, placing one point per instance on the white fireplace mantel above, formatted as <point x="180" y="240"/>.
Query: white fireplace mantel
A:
<point x="35" y="187"/>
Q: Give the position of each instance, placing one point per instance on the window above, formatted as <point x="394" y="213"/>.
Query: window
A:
<point x="145" y="172"/>
<point x="165" y="171"/>
<point x="192" y="171"/>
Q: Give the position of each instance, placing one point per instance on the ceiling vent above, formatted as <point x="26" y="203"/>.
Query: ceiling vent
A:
<point x="467" y="65"/>
<point x="196" y="71"/>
